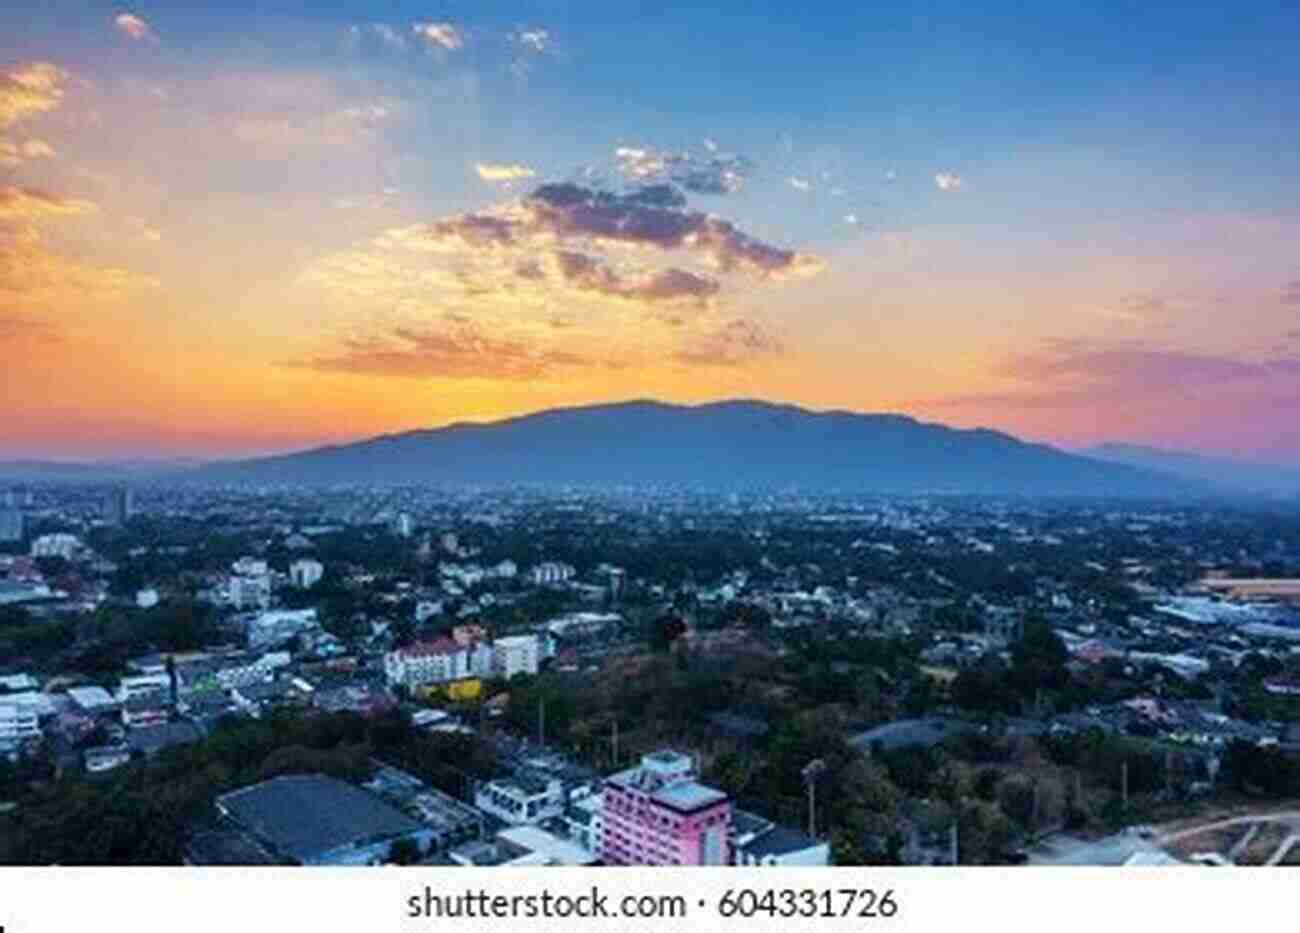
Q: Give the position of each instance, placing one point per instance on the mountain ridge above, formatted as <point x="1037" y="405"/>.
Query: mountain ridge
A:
<point x="731" y="443"/>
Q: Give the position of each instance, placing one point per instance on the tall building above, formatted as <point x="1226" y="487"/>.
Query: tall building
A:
<point x="659" y="814"/>
<point x="118" y="506"/>
<point x="11" y="525"/>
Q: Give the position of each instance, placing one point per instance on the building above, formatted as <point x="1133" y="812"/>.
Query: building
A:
<point x="19" y="724"/>
<point x="56" y="545"/>
<point x="659" y="814"/>
<point x="275" y="627"/>
<point x="312" y="819"/>
<point x="118" y="506"/>
<point x="248" y="591"/>
<point x="434" y="662"/>
<point x="12" y="525"/>
<point x="550" y="572"/>
<point x="758" y="841"/>
<point x="146" y="598"/>
<point x="522" y="799"/>
<point x="306" y="573"/>
<point x="516" y="654"/>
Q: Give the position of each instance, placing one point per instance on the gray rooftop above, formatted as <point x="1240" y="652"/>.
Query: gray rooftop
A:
<point x="305" y="816"/>
<point x="688" y="795"/>
<point x="779" y="840"/>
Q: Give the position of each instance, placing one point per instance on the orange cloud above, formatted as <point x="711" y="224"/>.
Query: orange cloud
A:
<point x="30" y="90"/>
<point x="33" y="278"/>
<point x="31" y="204"/>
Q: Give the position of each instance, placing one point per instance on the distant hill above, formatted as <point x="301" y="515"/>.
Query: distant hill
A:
<point x="724" y="445"/>
<point x="1233" y="475"/>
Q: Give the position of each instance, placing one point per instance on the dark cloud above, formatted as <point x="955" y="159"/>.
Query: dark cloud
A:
<point x="569" y="210"/>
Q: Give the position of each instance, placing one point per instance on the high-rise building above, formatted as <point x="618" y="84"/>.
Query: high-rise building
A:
<point x="118" y="506"/>
<point x="659" y="814"/>
<point x="11" y="525"/>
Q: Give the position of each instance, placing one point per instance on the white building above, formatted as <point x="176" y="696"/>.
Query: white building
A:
<point x="549" y="572"/>
<point x="56" y="545"/>
<point x="521" y="799"/>
<point x="516" y="654"/>
<point x="142" y="685"/>
<point x="279" y="626"/>
<point x="306" y="573"/>
<point x="250" y="591"/>
<point x="435" y="662"/>
<point x="146" y="598"/>
<point x="19" y="723"/>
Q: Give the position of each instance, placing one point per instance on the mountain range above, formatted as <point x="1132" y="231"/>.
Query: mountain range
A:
<point x="721" y="445"/>
<point x="1226" y="474"/>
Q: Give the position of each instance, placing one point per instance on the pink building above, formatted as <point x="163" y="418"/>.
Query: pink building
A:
<point x="658" y="814"/>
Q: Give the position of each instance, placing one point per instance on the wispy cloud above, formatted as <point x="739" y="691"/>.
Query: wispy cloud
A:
<point x="735" y="343"/>
<point x="490" y="171"/>
<point x="134" y="28"/>
<point x="711" y="173"/>
<point x="12" y="154"/>
<point x="799" y="184"/>
<point x="32" y="204"/>
<point x="456" y="350"/>
<point x="947" y="181"/>
<point x="445" y="37"/>
<point x="29" y="90"/>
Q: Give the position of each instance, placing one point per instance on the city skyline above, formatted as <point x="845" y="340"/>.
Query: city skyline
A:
<point x="224" y="233"/>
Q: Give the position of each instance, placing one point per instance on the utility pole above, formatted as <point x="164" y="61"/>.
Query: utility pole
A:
<point x="955" y="852"/>
<point x="613" y="742"/>
<point x="811" y="772"/>
<point x="1124" y="783"/>
<point x="541" y="722"/>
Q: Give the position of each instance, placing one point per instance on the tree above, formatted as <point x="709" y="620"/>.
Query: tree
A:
<point x="404" y="852"/>
<point x="1038" y="660"/>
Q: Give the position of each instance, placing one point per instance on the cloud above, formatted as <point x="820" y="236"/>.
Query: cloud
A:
<point x="799" y="184"/>
<point x="456" y="350"/>
<point x="652" y="217"/>
<point x="1291" y="293"/>
<point x="536" y="40"/>
<point x="12" y="154"/>
<point x="135" y="28"/>
<point x="947" y="181"/>
<point x="636" y="273"/>
<point x="343" y="126"/>
<point x="31" y="204"/>
<point x="33" y="278"/>
<point x="712" y="173"/>
<point x="30" y="90"/>
<point x="737" y="342"/>
<point x="495" y="172"/>
<point x="26" y="330"/>
<point x="852" y="219"/>
<point x="445" y="37"/>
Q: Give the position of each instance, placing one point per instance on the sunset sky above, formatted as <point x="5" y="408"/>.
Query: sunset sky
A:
<point x="251" y="227"/>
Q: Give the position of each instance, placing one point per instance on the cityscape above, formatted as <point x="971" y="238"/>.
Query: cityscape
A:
<point x="532" y="676"/>
<point x="544" y="433"/>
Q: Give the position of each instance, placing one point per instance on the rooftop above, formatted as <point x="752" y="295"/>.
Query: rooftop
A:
<point x="688" y="796"/>
<point x="306" y="816"/>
